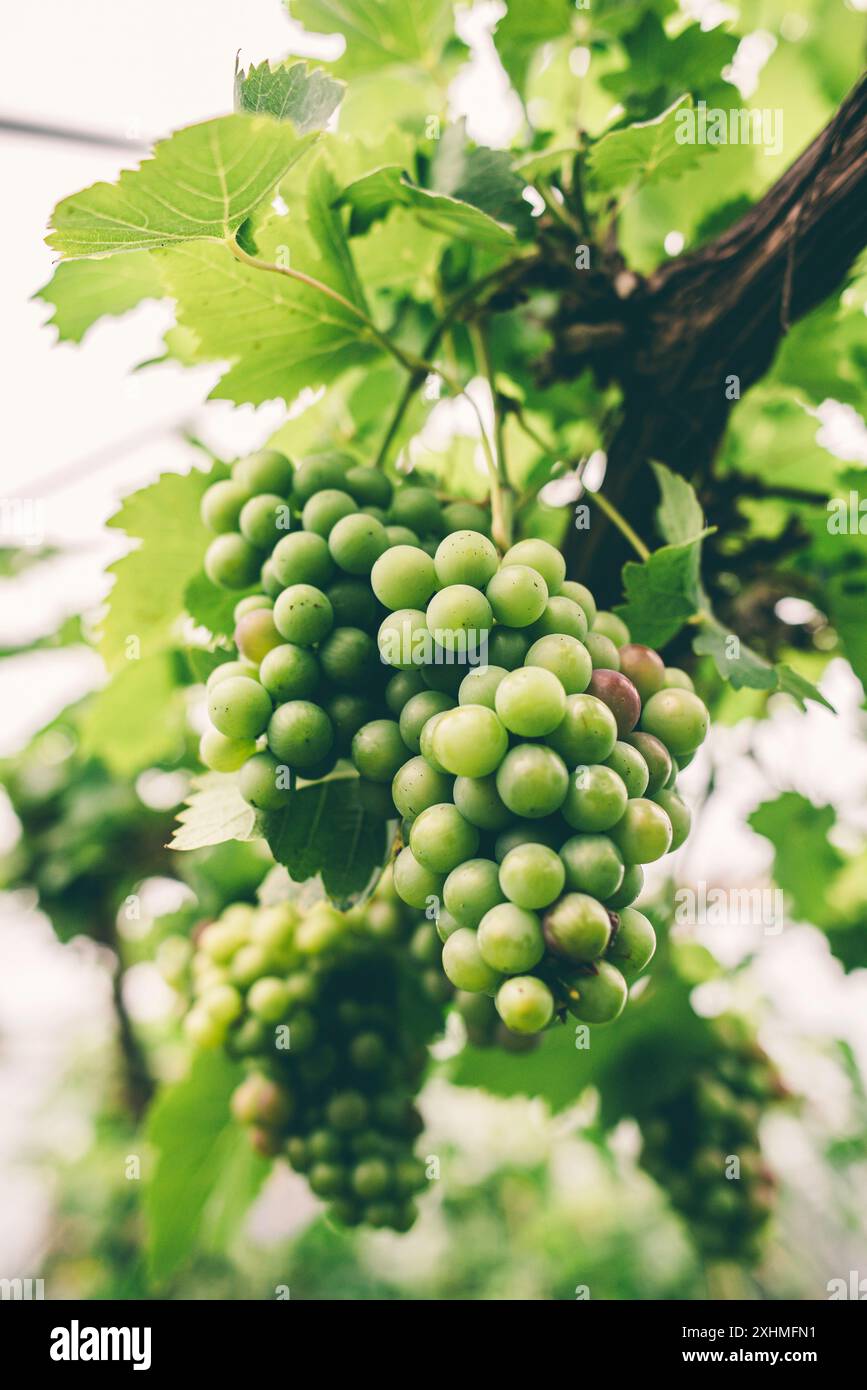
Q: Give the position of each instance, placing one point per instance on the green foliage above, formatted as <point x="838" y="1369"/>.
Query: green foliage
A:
<point x="325" y="830"/>
<point x="289" y="93"/>
<point x="643" y="153"/>
<point x="82" y="292"/>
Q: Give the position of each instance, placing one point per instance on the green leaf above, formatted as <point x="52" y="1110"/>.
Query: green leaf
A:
<point x="679" y="516"/>
<point x="380" y="33"/>
<point x="794" y="684"/>
<point x="481" y="176"/>
<point x="825" y="354"/>
<point x="307" y="98"/>
<point x="84" y="291"/>
<point x="847" y="604"/>
<point x="150" y="582"/>
<point x="326" y="830"/>
<point x="200" y="184"/>
<point x="644" y="153"/>
<point x="805" y="863"/>
<point x="370" y="198"/>
<point x="211" y="607"/>
<point x="197" y="1166"/>
<point x="118" y="723"/>
<point x="524" y="28"/>
<point x="733" y="659"/>
<point x="662" y="593"/>
<point x="662" y="66"/>
<point x="215" y="811"/>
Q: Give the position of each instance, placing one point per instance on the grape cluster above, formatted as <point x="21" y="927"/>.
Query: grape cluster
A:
<point x="314" y="1005"/>
<point x="692" y="1140"/>
<point x="541" y="781"/>
<point x="308" y="686"/>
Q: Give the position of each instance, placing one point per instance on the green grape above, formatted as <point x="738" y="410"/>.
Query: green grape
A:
<point x="417" y="711"/>
<point x="264" y="519"/>
<point x="479" y="686"/>
<point x="289" y="673"/>
<point x="657" y="760"/>
<point x="369" y="486"/>
<point x="347" y="1111"/>
<point x="302" y="558"/>
<point x="401" y="688"/>
<point x="528" y="832"/>
<point x="258" y="1100"/>
<point x="632" y="944"/>
<point x="401" y="535"/>
<point x="525" y="1004"/>
<point x="629" y="890"/>
<point x="465" y="557"/>
<point x="316" y="475"/>
<point x="580" y="594"/>
<point x="678" y="813"/>
<point x="261" y="782"/>
<point x="269" y="580"/>
<point x="560" y="615"/>
<point x="677" y="679"/>
<point x="256" y="635"/>
<point x="510" y="939"/>
<point x="593" y="864"/>
<point x="587" y="732"/>
<point x="507" y="648"/>
<point x="459" y="618"/>
<point x="644" y="667"/>
<point x="611" y="626"/>
<point x="466" y="516"/>
<point x="347" y="712"/>
<point x="530" y="701"/>
<point x="250" y="604"/>
<point x="629" y="765"/>
<point x="222" y="754"/>
<point x="239" y="707"/>
<point x="566" y="657"/>
<point x="517" y="595"/>
<point x="223" y="1003"/>
<point x="532" y="876"/>
<point x="599" y="997"/>
<point x="418" y="509"/>
<point x="300" y="734"/>
<point x="371" y="1178"/>
<point x="403" y="577"/>
<point x="446" y="924"/>
<point x="348" y="657"/>
<point x="403" y="638"/>
<point x="532" y="780"/>
<point x="479" y="802"/>
<point x="678" y="719"/>
<point x="378" y="750"/>
<point x="603" y="653"/>
<point x="268" y="999"/>
<point x="327" y="1179"/>
<point x="471" y="890"/>
<point x="464" y="966"/>
<point x="469" y="741"/>
<point x="324" y="509"/>
<point x="356" y="543"/>
<point x="619" y="694"/>
<point x="541" y="557"/>
<point x="644" y="833"/>
<point x="303" y="615"/>
<point x="265" y="471"/>
<point x="426" y="742"/>
<point x="577" y="928"/>
<point x="441" y="839"/>
<point x="231" y="562"/>
<point x="221" y="506"/>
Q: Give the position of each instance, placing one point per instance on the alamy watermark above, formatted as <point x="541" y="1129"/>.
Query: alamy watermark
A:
<point x="704" y="125"/>
<point x="417" y="646"/>
<point x="703" y="906"/>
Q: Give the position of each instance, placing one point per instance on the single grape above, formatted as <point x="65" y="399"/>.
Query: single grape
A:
<point x="239" y="707"/>
<point x="347" y="1111"/>
<point x="368" y="486"/>
<point x="532" y="876"/>
<point x="566" y="657"/>
<point x="250" y="604"/>
<point x="269" y="581"/>
<point x="268" y="999"/>
<point x="263" y="782"/>
<point x="417" y="785"/>
<point x="541" y="557"/>
<point x="324" y="509"/>
<point x="465" y="557"/>
<point x="426" y="742"/>
<point x="629" y="890"/>
<point x="417" y="711"/>
<point x="466" y="516"/>
<point x="303" y="615"/>
<point x="629" y="765"/>
<point x="677" y="679"/>
<point x="510" y="939"/>
<point x="598" y="997"/>
<point x="403" y="577"/>
<point x="507" y="648"/>
<point x="517" y="595"/>
<point x="560" y="615"/>
<point x="222" y="754"/>
<point x="289" y="673"/>
<point x="418" y="509"/>
<point x="347" y="712"/>
<point x="221" y="505"/>
<point x="356" y="543"/>
<point x="348" y="658"/>
<point x="525" y="1004"/>
<point x="378" y="750"/>
<point x="596" y="798"/>
<point x="529" y="832"/>
<point x="632" y="944"/>
<point x="530" y="702"/>
<point x="441" y="839"/>
<point x="644" y="667"/>
<point x="403" y="639"/>
<point x="401" y="535"/>
<point x="265" y="471"/>
<point x="532" y="780"/>
<point x="459" y="618"/>
<point x="644" y="833"/>
<point x="580" y="594"/>
<point x="657" y="760"/>
<point x="231" y="562"/>
<point x="577" y="928"/>
<point x="611" y="626"/>
<point x="464" y="966"/>
<point x="678" y="813"/>
<point x="446" y="924"/>
<point x="587" y="733"/>
<point x="678" y="718"/>
<point x="480" y="803"/>
<point x="479" y="687"/>
<point x="619" y="694"/>
<point x="471" y="890"/>
<point x="227" y="669"/>
<point x="264" y="519"/>
<point x="401" y="688"/>
<point x="256" y="635"/>
<point x="302" y="558"/>
<point x="603" y="653"/>
<point x="469" y="741"/>
<point x="300" y="733"/>
<point x="593" y="864"/>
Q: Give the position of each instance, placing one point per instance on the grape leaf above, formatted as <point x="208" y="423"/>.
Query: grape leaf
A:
<point x="211" y="607"/>
<point x="370" y="198"/>
<point x="793" y="683"/>
<point x="197" y="1163"/>
<point x="847" y="601"/>
<point x="200" y="184"/>
<point x="326" y="830"/>
<point x="662" y="66"/>
<point x="289" y="93"/>
<point x="662" y="593"/>
<point x="679" y="515"/>
<point x="825" y="355"/>
<point x="481" y="176"/>
<point x="644" y="153"/>
<point x="805" y="863"/>
<point x="84" y="291"/>
<point x="737" y="663"/>
<point x="215" y="811"/>
<point x="380" y="33"/>
<point x="524" y="28"/>
<point x="117" y="723"/>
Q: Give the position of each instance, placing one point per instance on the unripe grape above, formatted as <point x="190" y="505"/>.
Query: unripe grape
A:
<point x="529" y="832"/>
<point x="603" y="653"/>
<point x="525" y="1004"/>
<point x="417" y="711"/>
<point x="644" y="833"/>
<point x="633" y="943"/>
<point x="480" y="803"/>
<point x="356" y="543"/>
<point x="317" y="475"/>
<point x="619" y="694"/>
<point x="222" y="754"/>
<point x="629" y="890"/>
<point x="577" y="928"/>
<point x="465" y="557"/>
<point x="459" y="618"/>
<point x="264" y="519"/>
<point x="532" y="780"/>
<point x="510" y="939"/>
<point x="471" y="890"/>
<point x="560" y="615"/>
<point x="418" y="509"/>
<point x="464" y="966"/>
<point x="657" y="760"/>
<point x="415" y="884"/>
<point x="441" y="839"/>
<point x="268" y="999"/>
<point x="402" y="535"/>
<point x="677" y="679"/>
<point x="598" y="997"/>
<point x="302" y="557"/>
<point x="303" y="615"/>
<point x="227" y="669"/>
<point x="532" y="876"/>
<point x="611" y="626"/>
<point x="261" y="782"/>
<point x="223" y="1003"/>
<point x="378" y="750"/>
<point x="566" y="657"/>
<point x="587" y="732"/>
<point x="530" y="702"/>
<point x="353" y="604"/>
<point x="369" y="486"/>
<point x="580" y="594"/>
<point x="300" y="733"/>
<point x="231" y="562"/>
<point x="678" y="718"/>
<point x="469" y="741"/>
<point x="416" y="786"/>
<point x="239" y="707"/>
<point x="250" y="604"/>
<point x="324" y="509"/>
<point x="221" y="505"/>
<point x="403" y="577"/>
<point x="256" y="635"/>
<point x="543" y="558"/>
<point x="644" y="667"/>
<point x="593" y="864"/>
<point x="403" y="639"/>
<point x="401" y="688"/>
<point x="466" y="516"/>
<point x="267" y="470"/>
<point x="269" y="581"/>
<point x="678" y="813"/>
<point x="507" y="648"/>
<point x="348" y="658"/>
<point x="479" y="686"/>
<point x="289" y="673"/>
<point x="630" y="766"/>
<point x="517" y="595"/>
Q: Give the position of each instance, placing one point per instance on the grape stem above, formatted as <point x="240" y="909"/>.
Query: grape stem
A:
<point x="501" y="510"/>
<point x="617" y="519"/>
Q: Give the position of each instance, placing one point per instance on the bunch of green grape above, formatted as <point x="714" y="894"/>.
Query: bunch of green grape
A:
<point x="314" y="1005"/>
<point x="543" y="751"/>
<point x="702" y="1146"/>
<point x="308" y="686"/>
